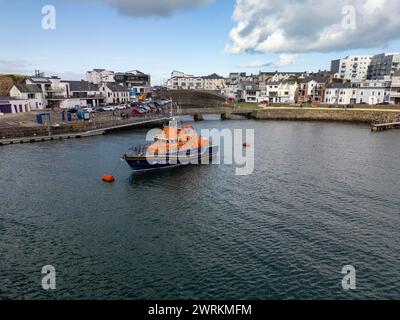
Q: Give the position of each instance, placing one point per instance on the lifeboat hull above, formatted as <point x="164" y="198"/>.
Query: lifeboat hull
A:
<point x="141" y="163"/>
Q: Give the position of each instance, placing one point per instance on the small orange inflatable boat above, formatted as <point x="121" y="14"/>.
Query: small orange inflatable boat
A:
<point x="108" y="178"/>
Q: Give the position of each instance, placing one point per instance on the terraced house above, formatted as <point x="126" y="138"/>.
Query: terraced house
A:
<point x="312" y="90"/>
<point x="370" y="92"/>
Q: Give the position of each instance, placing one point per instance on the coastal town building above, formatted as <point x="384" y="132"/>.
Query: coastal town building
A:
<point x="340" y="93"/>
<point x="231" y="89"/>
<point x="15" y="105"/>
<point x="26" y="98"/>
<point x="278" y="91"/>
<point x="182" y="81"/>
<point x="370" y="92"/>
<point x="351" y="67"/>
<point x="98" y="76"/>
<point x="373" y="92"/>
<point x="115" y="93"/>
<point x="312" y="90"/>
<point x="248" y="92"/>
<point x="395" y="89"/>
<point x="383" y="66"/>
<point x="88" y="93"/>
<point x="135" y="80"/>
<point x="213" y="82"/>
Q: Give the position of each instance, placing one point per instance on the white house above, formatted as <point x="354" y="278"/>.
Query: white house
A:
<point x="340" y="93"/>
<point x="373" y="92"/>
<point x="14" y="105"/>
<point x="366" y="92"/>
<point x="27" y="97"/>
<point x="115" y="93"/>
<point x="278" y="91"/>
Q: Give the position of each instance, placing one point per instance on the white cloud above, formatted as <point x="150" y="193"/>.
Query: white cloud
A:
<point x="283" y="60"/>
<point x="286" y="59"/>
<point x="312" y="26"/>
<point x="145" y="8"/>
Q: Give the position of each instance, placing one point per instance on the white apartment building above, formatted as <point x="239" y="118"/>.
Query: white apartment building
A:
<point x="384" y="66"/>
<point x="370" y="92"/>
<point x="351" y="67"/>
<point x="98" y="76"/>
<point x="278" y="91"/>
<point x="183" y="81"/>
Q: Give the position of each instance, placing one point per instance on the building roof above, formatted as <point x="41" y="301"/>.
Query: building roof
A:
<point x="283" y="81"/>
<point x="115" y="87"/>
<point x="266" y="73"/>
<point x="82" y="86"/>
<point x="237" y="74"/>
<point x="39" y="80"/>
<point x="28" y="88"/>
<point x="136" y="72"/>
<point x="339" y="85"/>
<point x="213" y="76"/>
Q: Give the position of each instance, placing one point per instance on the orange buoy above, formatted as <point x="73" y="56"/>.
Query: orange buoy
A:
<point x="108" y="178"/>
<point x="246" y="144"/>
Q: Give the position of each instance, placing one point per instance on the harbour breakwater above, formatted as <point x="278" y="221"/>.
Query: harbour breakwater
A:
<point x="326" y="114"/>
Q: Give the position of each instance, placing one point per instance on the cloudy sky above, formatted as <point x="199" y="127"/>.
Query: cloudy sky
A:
<point x="194" y="36"/>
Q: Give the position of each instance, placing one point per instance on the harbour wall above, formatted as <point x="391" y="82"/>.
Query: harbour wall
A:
<point x="312" y="114"/>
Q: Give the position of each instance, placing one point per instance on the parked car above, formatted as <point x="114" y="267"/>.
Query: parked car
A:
<point x="101" y="109"/>
<point x="109" y="108"/>
<point x="88" y="109"/>
<point x="137" y="112"/>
